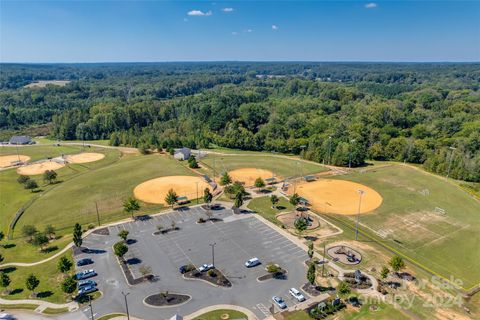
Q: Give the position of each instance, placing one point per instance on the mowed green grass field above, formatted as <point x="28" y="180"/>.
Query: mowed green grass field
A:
<point x="38" y="152"/>
<point x="408" y="221"/>
<point x="74" y="200"/>
<point x="279" y="165"/>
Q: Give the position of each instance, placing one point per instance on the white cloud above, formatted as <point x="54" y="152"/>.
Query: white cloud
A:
<point x="234" y="33"/>
<point x="371" y="5"/>
<point x="227" y="9"/>
<point x="274" y="27"/>
<point x="199" y="13"/>
<point x="249" y="30"/>
<point x="185" y="19"/>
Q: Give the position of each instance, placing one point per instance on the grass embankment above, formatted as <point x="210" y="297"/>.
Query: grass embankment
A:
<point x="263" y="207"/>
<point x="279" y="165"/>
<point x="50" y="281"/>
<point x="408" y="221"/>
<point x="55" y="310"/>
<point x="217" y="315"/>
<point x="18" y="306"/>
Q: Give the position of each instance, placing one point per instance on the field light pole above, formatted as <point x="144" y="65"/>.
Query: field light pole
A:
<point x="329" y="149"/>
<point x="197" y="191"/>
<point x="350" y="155"/>
<point x="213" y="253"/>
<point x="361" y="193"/>
<point x="126" y="303"/>
<point x="450" y="162"/>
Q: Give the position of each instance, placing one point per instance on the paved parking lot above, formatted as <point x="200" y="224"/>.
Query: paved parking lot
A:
<point x="237" y="238"/>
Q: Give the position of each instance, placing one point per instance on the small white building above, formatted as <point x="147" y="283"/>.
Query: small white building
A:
<point x="182" y="154"/>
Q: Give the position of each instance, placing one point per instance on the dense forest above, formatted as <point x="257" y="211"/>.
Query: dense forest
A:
<point x="335" y="113"/>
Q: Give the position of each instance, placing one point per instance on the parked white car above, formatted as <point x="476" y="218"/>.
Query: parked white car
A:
<point x="205" y="267"/>
<point x="6" y="316"/>
<point x="296" y="294"/>
<point x="252" y="263"/>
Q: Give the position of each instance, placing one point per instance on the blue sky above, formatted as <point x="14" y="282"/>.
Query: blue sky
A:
<point x="113" y="31"/>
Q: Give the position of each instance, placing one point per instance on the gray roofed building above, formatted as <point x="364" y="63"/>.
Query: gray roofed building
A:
<point x="182" y="154"/>
<point x="21" y="140"/>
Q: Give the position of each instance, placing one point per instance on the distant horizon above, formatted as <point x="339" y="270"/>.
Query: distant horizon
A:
<point x="244" y="61"/>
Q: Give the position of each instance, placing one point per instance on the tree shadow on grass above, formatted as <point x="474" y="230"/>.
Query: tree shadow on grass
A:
<point x="50" y="249"/>
<point x="281" y="207"/>
<point x="44" y="294"/>
<point x="8" y="269"/>
<point x="9" y="245"/>
<point x="16" y="291"/>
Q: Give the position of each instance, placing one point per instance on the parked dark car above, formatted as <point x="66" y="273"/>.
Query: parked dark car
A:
<point x="84" y="262"/>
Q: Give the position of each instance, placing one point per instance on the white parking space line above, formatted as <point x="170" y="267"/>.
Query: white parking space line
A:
<point x="263" y="309"/>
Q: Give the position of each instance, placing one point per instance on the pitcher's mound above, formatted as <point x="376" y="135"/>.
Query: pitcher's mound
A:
<point x="85" y="157"/>
<point x="7" y="161"/>
<point x="155" y="190"/>
<point x="39" y="168"/>
<point x="249" y="175"/>
<point x="339" y="196"/>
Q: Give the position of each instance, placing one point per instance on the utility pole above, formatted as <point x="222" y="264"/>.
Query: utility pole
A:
<point x="98" y="215"/>
<point x="329" y="150"/>
<point x="90" y="305"/>
<point x="126" y="303"/>
<point x="361" y="193"/>
<point x="197" y="191"/>
<point x="350" y="154"/>
<point x="213" y="253"/>
<point x="323" y="264"/>
<point x="450" y="161"/>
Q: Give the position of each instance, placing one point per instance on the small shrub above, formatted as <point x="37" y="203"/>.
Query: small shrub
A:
<point x="212" y="273"/>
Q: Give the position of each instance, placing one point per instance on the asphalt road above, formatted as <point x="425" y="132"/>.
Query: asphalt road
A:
<point x="237" y="237"/>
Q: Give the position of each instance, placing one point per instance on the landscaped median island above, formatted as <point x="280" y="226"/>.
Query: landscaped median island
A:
<point x="166" y="299"/>
<point x="213" y="276"/>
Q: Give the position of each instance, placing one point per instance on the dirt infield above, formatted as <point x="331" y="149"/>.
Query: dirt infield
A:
<point x="6" y="161"/>
<point x="338" y="196"/>
<point x="85" y="157"/>
<point x="39" y="168"/>
<point x="249" y="175"/>
<point x="155" y="190"/>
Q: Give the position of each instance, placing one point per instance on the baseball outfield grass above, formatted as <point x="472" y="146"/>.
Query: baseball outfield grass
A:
<point x="429" y="220"/>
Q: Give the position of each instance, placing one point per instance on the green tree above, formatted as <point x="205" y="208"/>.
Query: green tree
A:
<point x="131" y="205"/>
<point x="22" y="179"/>
<point x="123" y="234"/>
<point x="30" y="185"/>
<point x="192" y="162"/>
<point x="273" y="268"/>
<point x="301" y="225"/>
<point x="207" y="196"/>
<point x="120" y="249"/>
<point x="384" y="273"/>
<point x="259" y="183"/>
<point x="295" y="199"/>
<point x="50" y="176"/>
<point x="274" y="200"/>
<point x="225" y="179"/>
<point x="311" y="273"/>
<point x="77" y="235"/>
<point x="32" y="283"/>
<point x="4" y="281"/>
<point x="29" y="231"/>
<point x="40" y="239"/>
<point x="50" y="231"/>
<point x="171" y="198"/>
<point x="397" y="263"/>
<point x="238" y="200"/>
<point x="64" y="264"/>
<point x="69" y="285"/>
<point x="310" y="249"/>
<point x="343" y="288"/>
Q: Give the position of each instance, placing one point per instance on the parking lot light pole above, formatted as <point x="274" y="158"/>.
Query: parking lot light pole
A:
<point x="213" y="253"/>
<point x="361" y="193"/>
<point x="90" y="305"/>
<point x="126" y="303"/>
